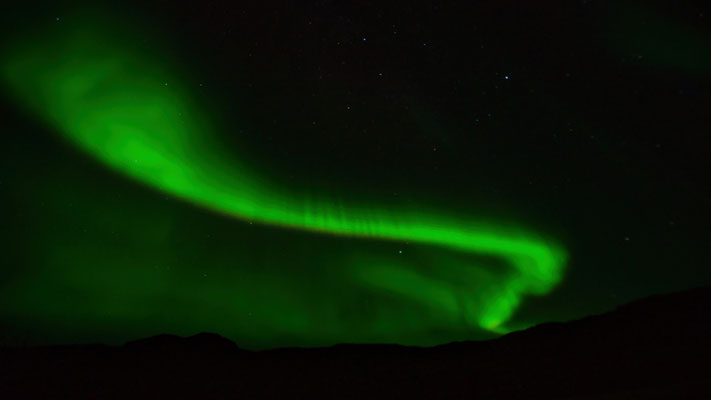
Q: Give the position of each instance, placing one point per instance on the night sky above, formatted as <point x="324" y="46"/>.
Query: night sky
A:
<point x="301" y="173"/>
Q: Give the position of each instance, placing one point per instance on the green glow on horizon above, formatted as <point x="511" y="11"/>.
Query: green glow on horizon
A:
<point x="128" y="110"/>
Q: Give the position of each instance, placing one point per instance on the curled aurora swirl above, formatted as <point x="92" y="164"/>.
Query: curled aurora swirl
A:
<point x="115" y="100"/>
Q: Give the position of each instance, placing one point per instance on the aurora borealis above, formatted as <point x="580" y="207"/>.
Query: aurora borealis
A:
<point x="293" y="261"/>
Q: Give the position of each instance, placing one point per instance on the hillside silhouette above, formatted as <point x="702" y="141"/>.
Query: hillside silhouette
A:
<point x="657" y="347"/>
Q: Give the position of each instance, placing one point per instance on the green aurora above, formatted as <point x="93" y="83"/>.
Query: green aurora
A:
<point x="108" y="94"/>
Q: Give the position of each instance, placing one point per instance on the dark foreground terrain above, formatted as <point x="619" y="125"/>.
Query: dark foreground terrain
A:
<point x="657" y="347"/>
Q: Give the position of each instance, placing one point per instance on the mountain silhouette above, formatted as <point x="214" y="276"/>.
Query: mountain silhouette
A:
<point x="657" y="347"/>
